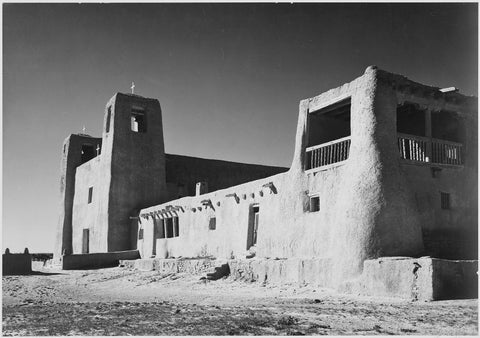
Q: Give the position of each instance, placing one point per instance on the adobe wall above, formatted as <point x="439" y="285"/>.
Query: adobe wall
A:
<point x="94" y="215"/>
<point x="449" y="233"/>
<point x="367" y="204"/>
<point x="71" y="158"/>
<point x="183" y="172"/>
<point x="97" y="260"/>
<point x="137" y="166"/>
<point x="16" y="264"/>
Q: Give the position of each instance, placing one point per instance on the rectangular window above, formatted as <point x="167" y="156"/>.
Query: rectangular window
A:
<point x="445" y="200"/>
<point x="314" y="205"/>
<point x="90" y="195"/>
<point x="138" y="121"/>
<point x="169" y="227"/>
<point x="212" y="223"/>
<point x="86" y="241"/>
<point x="88" y="152"/>
<point x="159" y="228"/>
<point x="109" y="116"/>
<point x="253" y="219"/>
<point x="140" y="234"/>
<point x="176" y="227"/>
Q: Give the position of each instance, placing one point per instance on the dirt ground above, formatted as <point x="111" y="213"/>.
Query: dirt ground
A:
<point x="118" y="301"/>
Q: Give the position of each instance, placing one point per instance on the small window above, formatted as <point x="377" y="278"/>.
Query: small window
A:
<point x="176" y="227"/>
<point x="159" y="228"/>
<point x="140" y="234"/>
<point x="90" y="195"/>
<point x="445" y="200"/>
<point x="169" y="227"/>
<point x="314" y="203"/>
<point x="212" y="223"/>
<point x="109" y="116"/>
<point x="138" y="121"/>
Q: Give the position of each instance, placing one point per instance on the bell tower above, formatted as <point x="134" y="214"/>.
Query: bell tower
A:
<point x="133" y="153"/>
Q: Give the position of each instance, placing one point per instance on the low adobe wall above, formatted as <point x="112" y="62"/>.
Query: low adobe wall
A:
<point x="16" y="264"/>
<point x="417" y="278"/>
<point x="191" y="266"/>
<point x="97" y="260"/>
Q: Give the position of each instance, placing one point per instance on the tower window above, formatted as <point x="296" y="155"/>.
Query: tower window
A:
<point x="109" y="116"/>
<point x="138" y="121"/>
<point x="90" y="195"/>
<point x="445" y="200"/>
<point x="314" y="203"/>
<point x="88" y="152"/>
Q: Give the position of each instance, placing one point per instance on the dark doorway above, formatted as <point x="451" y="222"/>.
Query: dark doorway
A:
<point x="253" y="222"/>
<point x="86" y="241"/>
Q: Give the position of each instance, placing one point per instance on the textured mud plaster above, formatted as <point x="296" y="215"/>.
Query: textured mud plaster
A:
<point x="423" y="278"/>
<point x="367" y="203"/>
<point x="71" y="159"/>
<point x="373" y="216"/>
<point x="129" y="174"/>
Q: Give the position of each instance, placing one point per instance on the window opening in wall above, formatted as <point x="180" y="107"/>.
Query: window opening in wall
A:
<point x="90" y="195"/>
<point x="445" y="200"/>
<point x="447" y="125"/>
<point x="328" y="138"/>
<point x="411" y="119"/>
<point x="430" y="136"/>
<point x="314" y="204"/>
<point x="64" y="148"/>
<point x="169" y="227"/>
<point x="88" y="152"/>
<point x="138" y="121"/>
<point x="159" y="228"/>
<point x="109" y="116"/>
<point x="176" y="228"/>
<point x="140" y="233"/>
<point x="253" y="222"/>
<point x="212" y="223"/>
<point x="85" y="241"/>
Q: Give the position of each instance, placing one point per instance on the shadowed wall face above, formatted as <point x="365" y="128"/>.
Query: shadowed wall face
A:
<point x="76" y="150"/>
<point x="137" y="164"/>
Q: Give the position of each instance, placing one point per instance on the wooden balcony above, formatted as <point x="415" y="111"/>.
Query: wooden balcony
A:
<point x="328" y="153"/>
<point x="424" y="149"/>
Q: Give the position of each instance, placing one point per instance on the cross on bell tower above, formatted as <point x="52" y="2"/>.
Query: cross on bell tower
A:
<point x="133" y="87"/>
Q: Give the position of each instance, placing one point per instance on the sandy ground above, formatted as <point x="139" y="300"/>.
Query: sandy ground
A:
<point x="118" y="301"/>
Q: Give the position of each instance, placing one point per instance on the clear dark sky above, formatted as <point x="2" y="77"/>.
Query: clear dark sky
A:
<point x="229" y="78"/>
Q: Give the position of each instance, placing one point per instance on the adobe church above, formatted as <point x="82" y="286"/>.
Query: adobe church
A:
<point x="383" y="166"/>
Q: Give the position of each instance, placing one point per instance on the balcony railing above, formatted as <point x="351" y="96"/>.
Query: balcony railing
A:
<point x="328" y="153"/>
<point x="424" y="149"/>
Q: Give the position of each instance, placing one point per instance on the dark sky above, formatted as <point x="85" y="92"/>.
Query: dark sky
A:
<point x="229" y="78"/>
